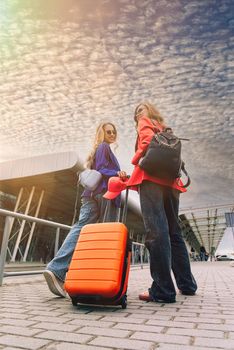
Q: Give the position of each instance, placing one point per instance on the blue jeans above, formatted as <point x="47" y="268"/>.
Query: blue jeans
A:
<point x="160" y="205"/>
<point x="202" y="256"/>
<point x="91" y="211"/>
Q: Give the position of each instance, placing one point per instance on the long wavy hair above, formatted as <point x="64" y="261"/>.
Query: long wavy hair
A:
<point x="153" y="112"/>
<point x="99" y="138"/>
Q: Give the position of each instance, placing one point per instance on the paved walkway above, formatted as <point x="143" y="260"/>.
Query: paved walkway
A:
<point x="32" y="318"/>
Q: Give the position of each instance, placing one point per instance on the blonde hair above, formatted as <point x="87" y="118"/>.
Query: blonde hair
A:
<point x="99" y="138"/>
<point x="153" y="112"/>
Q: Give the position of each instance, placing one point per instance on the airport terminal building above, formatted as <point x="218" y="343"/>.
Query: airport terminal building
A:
<point x="47" y="187"/>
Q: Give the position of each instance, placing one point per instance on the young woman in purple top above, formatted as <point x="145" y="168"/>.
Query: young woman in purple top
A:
<point x="102" y="159"/>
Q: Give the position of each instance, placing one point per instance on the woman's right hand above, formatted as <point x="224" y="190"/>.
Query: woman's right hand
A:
<point x="122" y="174"/>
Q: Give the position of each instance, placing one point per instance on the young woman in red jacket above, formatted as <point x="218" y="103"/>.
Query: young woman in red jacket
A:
<point x="159" y="201"/>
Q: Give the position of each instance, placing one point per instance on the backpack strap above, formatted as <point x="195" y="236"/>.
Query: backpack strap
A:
<point x="185" y="172"/>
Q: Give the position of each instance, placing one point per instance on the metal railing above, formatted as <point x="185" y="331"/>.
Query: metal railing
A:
<point x="9" y="215"/>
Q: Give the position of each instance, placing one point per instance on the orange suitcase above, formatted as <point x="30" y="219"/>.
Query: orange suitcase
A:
<point x="99" y="269"/>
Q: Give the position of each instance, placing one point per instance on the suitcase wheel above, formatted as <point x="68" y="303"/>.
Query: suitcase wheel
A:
<point x="124" y="302"/>
<point x="74" y="301"/>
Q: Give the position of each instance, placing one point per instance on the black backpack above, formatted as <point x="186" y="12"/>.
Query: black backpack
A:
<point x="162" y="158"/>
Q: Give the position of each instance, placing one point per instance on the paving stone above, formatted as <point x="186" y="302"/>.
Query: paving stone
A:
<point x="45" y="313"/>
<point x="17" y="322"/>
<point x="229" y="321"/>
<point x="49" y="319"/>
<point x="19" y="330"/>
<point x="14" y="316"/>
<point x="100" y="331"/>
<point x="173" y="324"/>
<point x="92" y="323"/>
<point x="65" y="336"/>
<point x="199" y="320"/>
<point x="138" y="327"/>
<point x="81" y="316"/>
<point x="196" y="332"/>
<point x="182" y="347"/>
<point x="10" y="348"/>
<point x="127" y="320"/>
<point x="227" y="316"/>
<point x="100" y="311"/>
<point x="12" y="306"/>
<point x="116" y="313"/>
<point x="155" y="316"/>
<point x="220" y="327"/>
<point x="13" y="311"/>
<point x="72" y="346"/>
<point x="215" y="343"/>
<point x="175" y="313"/>
<point x="55" y="326"/>
<point x="122" y="343"/>
<point x="23" y="342"/>
<point x="161" y="338"/>
<point x="143" y="311"/>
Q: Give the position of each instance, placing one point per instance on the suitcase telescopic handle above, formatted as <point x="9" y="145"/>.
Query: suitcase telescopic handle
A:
<point x="125" y="208"/>
<point x="107" y="209"/>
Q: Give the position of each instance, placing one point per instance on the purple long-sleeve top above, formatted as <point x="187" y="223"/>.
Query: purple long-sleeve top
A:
<point x="107" y="164"/>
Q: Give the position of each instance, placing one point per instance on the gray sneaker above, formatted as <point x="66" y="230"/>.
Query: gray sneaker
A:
<point x="55" y="284"/>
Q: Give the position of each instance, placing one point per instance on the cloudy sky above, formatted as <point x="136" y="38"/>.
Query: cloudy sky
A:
<point x="66" y="65"/>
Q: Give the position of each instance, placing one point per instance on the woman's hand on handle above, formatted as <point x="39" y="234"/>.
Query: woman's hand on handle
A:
<point x="122" y="174"/>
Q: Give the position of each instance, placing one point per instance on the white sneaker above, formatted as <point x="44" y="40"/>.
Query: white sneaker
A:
<point x="55" y="284"/>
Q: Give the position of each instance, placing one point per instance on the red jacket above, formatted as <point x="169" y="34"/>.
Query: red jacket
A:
<point x="146" y="130"/>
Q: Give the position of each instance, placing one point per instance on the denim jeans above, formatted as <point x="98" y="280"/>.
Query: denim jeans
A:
<point x="202" y="256"/>
<point x="91" y="211"/>
<point x="160" y="205"/>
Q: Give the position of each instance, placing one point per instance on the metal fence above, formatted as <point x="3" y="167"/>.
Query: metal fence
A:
<point x="138" y="250"/>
